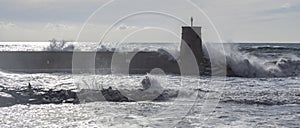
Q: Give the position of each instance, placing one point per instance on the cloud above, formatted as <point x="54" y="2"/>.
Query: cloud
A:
<point x="57" y="27"/>
<point x="7" y="25"/>
<point x="48" y="10"/>
<point x="126" y="27"/>
<point x="286" y="6"/>
<point x="46" y="3"/>
<point x="237" y="20"/>
<point x="254" y="20"/>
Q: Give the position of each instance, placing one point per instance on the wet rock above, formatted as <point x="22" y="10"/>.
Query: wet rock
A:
<point x="166" y="95"/>
<point x="146" y="83"/>
<point x="32" y="95"/>
<point x="37" y="96"/>
<point x="114" y="95"/>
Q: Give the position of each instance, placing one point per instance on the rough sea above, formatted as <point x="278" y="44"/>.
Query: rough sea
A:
<point x="267" y="93"/>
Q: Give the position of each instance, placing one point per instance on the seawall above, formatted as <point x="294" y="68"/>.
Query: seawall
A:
<point x="64" y="61"/>
<point x="191" y="61"/>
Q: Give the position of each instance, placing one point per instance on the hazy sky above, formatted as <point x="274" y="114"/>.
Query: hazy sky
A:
<point x="149" y="20"/>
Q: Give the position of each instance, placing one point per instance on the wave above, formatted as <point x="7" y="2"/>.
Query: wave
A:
<point x="245" y="64"/>
<point x="262" y="97"/>
<point x="268" y="48"/>
<point x="59" y="46"/>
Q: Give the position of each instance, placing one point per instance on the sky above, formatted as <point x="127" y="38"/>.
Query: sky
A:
<point x="149" y="20"/>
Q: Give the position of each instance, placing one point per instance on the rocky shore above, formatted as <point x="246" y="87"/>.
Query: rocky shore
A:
<point x="30" y="95"/>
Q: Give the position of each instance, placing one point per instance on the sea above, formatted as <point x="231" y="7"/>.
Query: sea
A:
<point x="266" y="92"/>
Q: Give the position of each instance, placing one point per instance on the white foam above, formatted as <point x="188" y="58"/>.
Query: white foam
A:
<point x="248" y="65"/>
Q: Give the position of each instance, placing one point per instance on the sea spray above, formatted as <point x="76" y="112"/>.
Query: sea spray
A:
<point x="245" y="64"/>
<point x="59" y="46"/>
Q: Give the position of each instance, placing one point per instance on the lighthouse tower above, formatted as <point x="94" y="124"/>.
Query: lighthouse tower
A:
<point x="191" y="52"/>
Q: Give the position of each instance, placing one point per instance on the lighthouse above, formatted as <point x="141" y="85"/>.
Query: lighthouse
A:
<point x="191" y="51"/>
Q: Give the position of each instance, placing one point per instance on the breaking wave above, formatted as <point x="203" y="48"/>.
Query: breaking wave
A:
<point x="268" y="47"/>
<point x="259" y="64"/>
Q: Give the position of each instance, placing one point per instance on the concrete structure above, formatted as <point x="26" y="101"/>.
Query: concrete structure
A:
<point x="49" y="62"/>
<point x="191" y="51"/>
<point x="191" y="58"/>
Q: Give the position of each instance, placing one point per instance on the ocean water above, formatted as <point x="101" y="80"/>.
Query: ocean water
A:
<point x="266" y="95"/>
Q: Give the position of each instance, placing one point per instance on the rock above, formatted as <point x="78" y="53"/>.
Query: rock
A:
<point x="38" y="96"/>
<point x="114" y="95"/>
<point x="166" y="95"/>
<point x="32" y="95"/>
<point x="146" y="83"/>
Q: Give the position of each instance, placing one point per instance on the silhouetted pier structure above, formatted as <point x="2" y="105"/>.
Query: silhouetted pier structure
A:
<point x="191" y="58"/>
